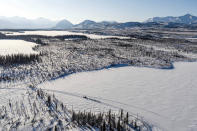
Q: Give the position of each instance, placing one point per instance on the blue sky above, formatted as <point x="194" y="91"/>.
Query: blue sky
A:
<point x="98" y="10"/>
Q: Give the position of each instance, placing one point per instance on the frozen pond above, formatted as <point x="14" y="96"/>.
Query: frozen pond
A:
<point x="167" y="98"/>
<point x="9" y="47"/>
<point x="60" y="33"/>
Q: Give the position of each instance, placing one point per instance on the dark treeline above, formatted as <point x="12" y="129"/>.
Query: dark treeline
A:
<point x="106" y="122"/>
<point x="18" y="59"/>
<point x="83" y="37"/>
<point x="46" y="37"/>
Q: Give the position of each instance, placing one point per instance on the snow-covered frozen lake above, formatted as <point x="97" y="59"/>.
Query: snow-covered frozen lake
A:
<point x="60" y="33"/>
<point x="9" y="47"/>
<point x="167" y="98"/>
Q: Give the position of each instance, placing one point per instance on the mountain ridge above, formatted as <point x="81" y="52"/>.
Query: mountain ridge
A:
<point x="185" y="19"/>
<point x="24" y="23"/>
<point x="16" y="22"/>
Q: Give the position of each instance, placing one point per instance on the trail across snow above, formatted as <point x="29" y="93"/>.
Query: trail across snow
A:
<point x="167" y="98"/>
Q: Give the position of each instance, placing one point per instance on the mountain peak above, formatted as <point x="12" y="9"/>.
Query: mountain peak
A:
<point x="188" y="15"/>
<point x="64" y="24"/>
<point x="88" y="22"/>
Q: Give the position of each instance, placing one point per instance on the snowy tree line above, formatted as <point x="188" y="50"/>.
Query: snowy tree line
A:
<point x="107" y="122"/>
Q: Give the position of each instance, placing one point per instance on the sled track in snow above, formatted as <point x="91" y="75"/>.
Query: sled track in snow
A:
<point x="100" y="100"/>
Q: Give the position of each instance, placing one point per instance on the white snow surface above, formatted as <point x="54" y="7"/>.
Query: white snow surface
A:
<point x="166" y="98"/>
<point x="9" y="47"/>
<point x="61" y="33"/>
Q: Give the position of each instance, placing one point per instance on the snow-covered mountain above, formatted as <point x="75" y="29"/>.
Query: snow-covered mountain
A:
<point x="89" y="24"/>
<point x="24" y="23"/>
<point x="63" y="24"/>
<point x="186" y="19"/>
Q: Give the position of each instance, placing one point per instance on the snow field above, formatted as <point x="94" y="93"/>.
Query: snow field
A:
<point x="166" y="98"/>
<point x="12" y="47"/>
